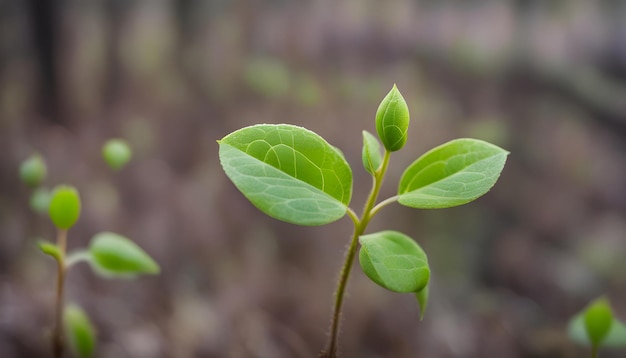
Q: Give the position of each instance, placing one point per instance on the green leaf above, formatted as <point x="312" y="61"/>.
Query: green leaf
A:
<point x="598" y="320"/>
<point x="116" y="153"/>
<point x="577" y="331"/>
<point x="422" y="299"/>
<point x="372" y="157"/>
<point x="394" y="261"/>
<point x="40" y="200"/>
<point x="392" y="120"/>
<point x="79" y="330"/>
<point x="49" y="248"/>
<point x="452" y="174"/>
<point x="33" y="170"/>
<point x="288" y="172"/>
<point x="64" y="207"/>
<point x="113" y="255"/>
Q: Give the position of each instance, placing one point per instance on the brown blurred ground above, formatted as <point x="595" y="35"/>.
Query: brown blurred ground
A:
<point x="545" y="80"/>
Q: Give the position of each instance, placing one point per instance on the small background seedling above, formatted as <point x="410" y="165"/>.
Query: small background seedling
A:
<point x="294" y="175"/>
<point x="109" y="254"/>
<point x="596" y="327"/>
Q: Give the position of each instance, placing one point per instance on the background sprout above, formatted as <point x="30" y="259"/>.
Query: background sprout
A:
<point x="116" y="153"/>
<point x="33" y="171"/>
<point x="596" y="327"/>
<point x="110" y="254"/>
<point x="80" y="331"/>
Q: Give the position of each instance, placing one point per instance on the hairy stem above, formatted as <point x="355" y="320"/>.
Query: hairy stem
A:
<point x="57" y="334"/>
<point x="359" y="227"/>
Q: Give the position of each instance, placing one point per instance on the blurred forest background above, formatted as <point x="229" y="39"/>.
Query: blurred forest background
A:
<point x="543" y="79"/>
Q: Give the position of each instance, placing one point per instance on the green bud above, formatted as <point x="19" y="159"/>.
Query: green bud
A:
<point x="33" y="170"/>
<point x="64" y="207"/>
<point x="372" y="159"/>
<point x="80" y="331"/>
<point x="116" y="153"/>
<point x="392" y="120"/>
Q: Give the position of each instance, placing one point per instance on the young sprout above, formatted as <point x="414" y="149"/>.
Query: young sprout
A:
<point x="294" y="175"/>
<point x="596" y="327"/>
<point x="111" y="255"/>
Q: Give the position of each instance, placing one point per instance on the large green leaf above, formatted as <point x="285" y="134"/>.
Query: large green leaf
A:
<point x="113" y="255"/>
<point x="80" y="331"/>
<point x="288" y="172"/>
<point x="394" y="261"/>
<point x="452" y="174"/>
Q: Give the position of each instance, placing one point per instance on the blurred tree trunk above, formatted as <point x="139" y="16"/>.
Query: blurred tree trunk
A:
<point x="43" y="16"/>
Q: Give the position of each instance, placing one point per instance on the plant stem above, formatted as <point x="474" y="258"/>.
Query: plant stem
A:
<point x="359" y="227"/>
<point x="594" y="352"/>
<point x="57" y="334"/>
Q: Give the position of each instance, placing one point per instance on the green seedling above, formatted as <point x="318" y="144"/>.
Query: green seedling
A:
<point x="294" y="175"/>
<point x="109" y="254"/>
<point x="596" y="327"/>
<point x="116" y="153"/>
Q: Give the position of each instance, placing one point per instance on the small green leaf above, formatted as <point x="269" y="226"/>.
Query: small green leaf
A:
<point x="394" y="261"/>
<point x="392" y="120"/>
<point x="288" y="172"/>
<point x="452" y="174"/>
<point x="577" y="331"/>
<point x="422" y="299"/>
<point x="116" y="153"/>
<point x="64" y="207"/>
<point x="372" y="157"/>
<point x="116" y="256"/>
<point x="79" y="330"/>
<point x="40" y="200"/>
<point x="598" y="320"/>
<point x="49" y="248"/>
<point x="33" y="170"/>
